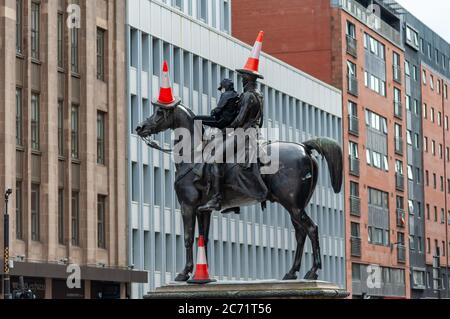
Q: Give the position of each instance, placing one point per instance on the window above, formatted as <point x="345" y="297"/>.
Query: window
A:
<point x="410" y="173"/>
<point x="100" y="138"/>
<point x="408" y="103"/>
<point x="74" y="49"/>
<point x="399" y="167"/>
<point x="351" y="69"/>
<point x="439" y="118"/>
<point x="60" y="39"/>
<point x="412" y="37"/>
<point x="374" y="46"/>
<point x="19" y="26"/>
<point x="355" y="231"/>
<point x="428" y="246"/>
<point x="374" y="83"/>
<point x="433" y="147"/>
<point x="61" y="216"/>
<point x="415" y="73"/>
<point x="352" y="109"/>
<point x="431" y="81"/>
<point x="35" y="212"/>
<point x="354" y="189"/>
<point x="427" y="177"/>
<point x="424" y="77"/>
<point x="432" y="115"/>
<point x="425" y="111"/>
<point x="60" y="128"/>
<point x="19" y="213"/>
<point x="19" y="117"/>
<point x="203" y="10"/>
<point x="407" y="65"/>
<point x="75" y="219"/>
<point x="35" y="127"/>
<point x="428" y="211"/>
<point x="446" y="122"/>
<point x="35" y="29"/>
<point x="351" y="30"/>
<point x="353" y="150"/>
<point x="101" y="223"/>
<point x="100" y="54"/>
<point x="74" y="129"/>
<point x="409" y="137"/>
<point x="442" y="216"/>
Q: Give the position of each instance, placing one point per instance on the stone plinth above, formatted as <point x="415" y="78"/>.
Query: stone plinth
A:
<point x="267" y="289"/>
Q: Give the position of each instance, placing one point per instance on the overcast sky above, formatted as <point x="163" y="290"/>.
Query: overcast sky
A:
<point x="434" y="13"/>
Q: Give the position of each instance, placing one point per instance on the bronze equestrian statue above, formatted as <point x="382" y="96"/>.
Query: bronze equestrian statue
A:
<point x="292" y="186"/>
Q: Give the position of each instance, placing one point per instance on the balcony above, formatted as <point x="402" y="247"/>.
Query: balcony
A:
<point x="355" y="246"/>
<point x="397" y="70"/>
<point x="401" y="253"/>
<point x="398" y="146"/>
<point x="354" y="166"/>
<point x="398" y="109"/>
<point x="401" y="217"/>
<point x="353" y="125"/>
<point x="378" y="25"/>
<point x="352" y="46"/>
<point x="400" y="182"/>
<point x="355" y="206"/>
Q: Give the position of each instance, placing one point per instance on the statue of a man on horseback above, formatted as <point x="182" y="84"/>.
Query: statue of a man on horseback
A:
<point x="292" y="186"/>
<point x="249" y="116"/>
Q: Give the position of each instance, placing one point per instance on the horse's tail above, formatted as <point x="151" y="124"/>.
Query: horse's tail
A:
<point x="332" y="152"/>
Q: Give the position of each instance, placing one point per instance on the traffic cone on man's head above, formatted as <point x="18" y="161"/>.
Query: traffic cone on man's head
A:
<point x="166" y="98"/>
<point x="201" y="270"/>
<point x="252" y="66"/>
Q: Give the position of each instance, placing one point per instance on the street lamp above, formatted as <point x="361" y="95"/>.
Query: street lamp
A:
<point x="6" y="278"/>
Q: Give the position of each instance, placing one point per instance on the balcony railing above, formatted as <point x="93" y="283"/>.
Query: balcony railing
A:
<point x="352" y="46"/>
<point x="355" y="206"/>
<point x="401" y="217"/>
<point x="401" y="253"/>
<point x="372" y="20"/>
<point x="353" y="125"/>
<point x="355" y="246"/>
<point x="398" y="109"/>
<point x="400" y="182"/>
<point x="399" y="145"/>
<point x="353" y="85"/>
<point x="397" y="73"/>
<point x="354" y="166"/>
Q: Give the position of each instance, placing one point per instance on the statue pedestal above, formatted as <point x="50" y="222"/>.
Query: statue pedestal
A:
<point x="266" y="289"/>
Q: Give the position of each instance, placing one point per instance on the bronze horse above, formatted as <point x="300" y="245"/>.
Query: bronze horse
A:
<point x="292" y="186"/>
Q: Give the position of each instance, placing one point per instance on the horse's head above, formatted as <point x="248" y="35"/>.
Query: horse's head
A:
<point x="163" y="119"/>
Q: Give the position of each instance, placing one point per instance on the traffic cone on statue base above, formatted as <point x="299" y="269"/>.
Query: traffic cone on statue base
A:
<point x="201" y="275"/>
<point x="166" y="99"/>
<point x="252" y="65"/>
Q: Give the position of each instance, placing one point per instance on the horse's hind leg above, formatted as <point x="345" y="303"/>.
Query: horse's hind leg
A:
<point x="313" y="233"/>
<point x="300" y="236"/>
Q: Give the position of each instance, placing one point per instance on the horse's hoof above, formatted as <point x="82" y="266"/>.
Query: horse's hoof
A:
<point x="290" y="276"/>
<point x="311" y="276"/>
<point x="182" y="278"/>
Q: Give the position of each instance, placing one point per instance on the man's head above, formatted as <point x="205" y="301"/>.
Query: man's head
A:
<point x="248" y="78"/>
<point x="226" y="85"/>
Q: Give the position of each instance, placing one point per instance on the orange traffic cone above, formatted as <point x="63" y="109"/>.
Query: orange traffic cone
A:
<point x="201" y="270"/>
<point x="166" y="98"/>
<point x="252" y="66"/>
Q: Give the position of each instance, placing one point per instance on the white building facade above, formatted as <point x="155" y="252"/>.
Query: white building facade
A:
<point x="192" y="35"/>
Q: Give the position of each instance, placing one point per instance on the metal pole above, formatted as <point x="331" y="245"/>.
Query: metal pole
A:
<point x="6" y="277"/>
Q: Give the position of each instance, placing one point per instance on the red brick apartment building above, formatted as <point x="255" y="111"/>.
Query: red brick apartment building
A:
<point x="436" y="158"/>
<point x="339" y="43"/>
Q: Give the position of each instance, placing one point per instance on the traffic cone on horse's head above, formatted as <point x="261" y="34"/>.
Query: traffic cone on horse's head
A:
<point x="201" y="270"/>
<point x="166" y="98"/>
<point x="252" y="66"/>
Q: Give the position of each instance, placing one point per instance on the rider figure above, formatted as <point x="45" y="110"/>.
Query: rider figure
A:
<point x="221" y="117"/>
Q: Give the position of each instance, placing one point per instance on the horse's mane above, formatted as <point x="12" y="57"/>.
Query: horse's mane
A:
<point x="187" y="110"/>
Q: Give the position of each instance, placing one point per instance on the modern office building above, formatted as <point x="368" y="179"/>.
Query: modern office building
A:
<point x="344" y="44"/>
<point x="193" y="36"/>
<point x="427" y="72"/>
<point x="62" y="145"/>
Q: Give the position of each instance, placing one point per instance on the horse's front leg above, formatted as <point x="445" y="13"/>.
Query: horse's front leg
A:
<point x="188" y="214"/>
